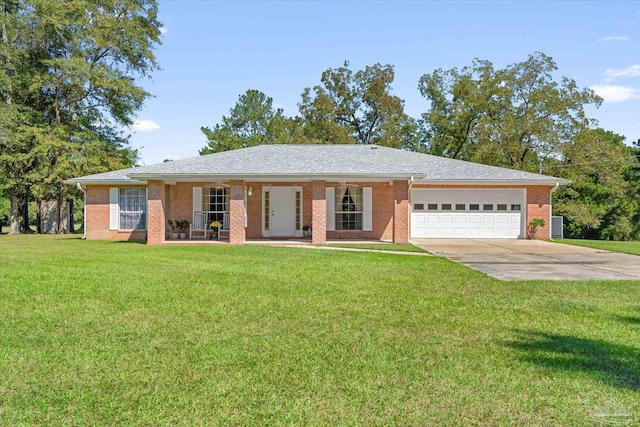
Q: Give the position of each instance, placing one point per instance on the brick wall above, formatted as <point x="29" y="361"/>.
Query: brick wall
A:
<point x="319" y="212"/>
<point x="98" y="217"/>
<point x="401" y="212"/>
<point x="236" y="213"/>
<point x="156" y="220"/>
<point x="538" y="202"/>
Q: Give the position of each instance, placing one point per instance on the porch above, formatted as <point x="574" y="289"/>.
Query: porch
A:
<point x="280" y="213"/>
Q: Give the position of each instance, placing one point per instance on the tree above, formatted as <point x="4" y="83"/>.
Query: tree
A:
<point x="81" y="65"/>
<point x="515" y="117"/>
<point x="252" y="121"/>
<point x="602" y="199"/>
<point x="357" y="108"/>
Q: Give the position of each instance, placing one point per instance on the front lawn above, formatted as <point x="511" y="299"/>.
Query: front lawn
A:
<point x="396" y="247"/>
<point x="607" y="245"/>
<point x="100" y="333"/>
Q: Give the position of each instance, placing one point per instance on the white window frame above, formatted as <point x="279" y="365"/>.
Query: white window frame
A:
<point x="338" y="207"/>
<point x="120" y="211"/>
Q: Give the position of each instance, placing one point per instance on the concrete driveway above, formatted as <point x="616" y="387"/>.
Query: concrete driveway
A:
<point x="507" y="259"/>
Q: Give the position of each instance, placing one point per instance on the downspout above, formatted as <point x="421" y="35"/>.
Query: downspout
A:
<point x="553" y="189"/>
<point x="84" y="212"/>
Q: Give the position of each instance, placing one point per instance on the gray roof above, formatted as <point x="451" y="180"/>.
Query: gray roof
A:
<point x="321" y="161"/>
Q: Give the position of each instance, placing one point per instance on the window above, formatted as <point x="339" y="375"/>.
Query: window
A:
<point x="460" y="206"/>
<point x="418" y="207"/>
<point x="474" y="207"/>
<point x="487" y="207"/>
<point x="446" y="206"/>
<point x="215" y="203"/>
<point x="502" y="207"/>
<point x="133" y="208"/>
<point x="298" y="210"/>
<point x="432" y="207"/>
<point x="515" y="207"/>
<point x="348" y="204"/>
<point x="267" y="209"/>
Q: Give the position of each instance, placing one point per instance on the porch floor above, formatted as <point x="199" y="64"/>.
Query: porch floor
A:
<point x="274" y="242"/>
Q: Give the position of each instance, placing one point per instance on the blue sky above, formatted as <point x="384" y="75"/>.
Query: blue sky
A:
<point x="214" y="51"/>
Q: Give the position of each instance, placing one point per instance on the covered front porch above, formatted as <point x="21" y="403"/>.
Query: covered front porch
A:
<point x="280" y="212"/>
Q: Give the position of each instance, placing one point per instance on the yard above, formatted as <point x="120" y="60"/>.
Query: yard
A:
<point x="101" y="333"/>
<point x="632" y="248"/>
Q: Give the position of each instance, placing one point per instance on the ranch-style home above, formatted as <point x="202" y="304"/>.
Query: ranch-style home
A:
<point x="332" y="192"/>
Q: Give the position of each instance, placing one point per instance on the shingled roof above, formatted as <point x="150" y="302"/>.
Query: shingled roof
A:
<point x="331" y="162"/>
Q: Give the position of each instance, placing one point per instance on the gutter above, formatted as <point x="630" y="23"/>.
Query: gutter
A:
<point x="84" y="210"/>
<point x="553" y="190"/>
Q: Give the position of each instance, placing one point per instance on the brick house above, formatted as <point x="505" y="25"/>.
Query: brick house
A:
<point x="339" y="191"/>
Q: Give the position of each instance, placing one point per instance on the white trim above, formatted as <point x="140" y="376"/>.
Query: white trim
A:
<point x="114" y="208"/>
<point x="196" y="200"/>
<point x="367" y="211"/>
<point x="330" y="196"/>
<point x="497" y="182"/>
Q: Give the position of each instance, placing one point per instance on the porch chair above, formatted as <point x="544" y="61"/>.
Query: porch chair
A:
<point x="225" y="226"/>
<point x="199" y="226"/>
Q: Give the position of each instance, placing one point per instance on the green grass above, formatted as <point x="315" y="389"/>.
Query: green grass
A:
<point x="100" y="333"/>
<point x="398" y="247"/>
<point x="607" y="245"/>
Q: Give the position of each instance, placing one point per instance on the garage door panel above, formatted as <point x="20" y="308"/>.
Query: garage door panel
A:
<point x="468" y="224"/>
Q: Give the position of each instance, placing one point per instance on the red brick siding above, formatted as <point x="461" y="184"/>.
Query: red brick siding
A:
<point x="401" y="212"/>
<point x="319" y="212"/>
<point x="236" y="213"/>
<point x="156" y="213"/>
<point x="98" y="217"/>
<point x="538" y="202"/>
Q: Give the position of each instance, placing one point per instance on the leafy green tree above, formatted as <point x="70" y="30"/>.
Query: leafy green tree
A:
<point x="602" y="201"/>
<point x="514" y="117"/>
<point x="82" y="62"/>
<point x="252" y="121"/>
<point x="357" y="108"/>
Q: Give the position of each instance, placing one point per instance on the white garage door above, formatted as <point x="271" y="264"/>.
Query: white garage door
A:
<point x="467" y="213"/>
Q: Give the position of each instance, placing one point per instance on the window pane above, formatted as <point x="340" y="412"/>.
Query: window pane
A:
<point x="460" y="207"/>
<point x="348" y="208"/>
<point x="446" y="206"/>
<point x="133" y="208"/>
<point x="474" y="207"/>
<point x="502" y="207"/>
<point x="418" y="207"/>
<point x="487" y="207"/>
<point x="515" y="207"/>
<point x="432" y="207"/>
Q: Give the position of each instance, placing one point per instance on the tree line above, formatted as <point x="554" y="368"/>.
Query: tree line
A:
<point x="69" y="85"/>
<point x="70" y="74"/>
<point x="519" y="117"/>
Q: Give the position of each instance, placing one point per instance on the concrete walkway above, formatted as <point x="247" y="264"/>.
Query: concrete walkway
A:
<point x="507" y="259"/>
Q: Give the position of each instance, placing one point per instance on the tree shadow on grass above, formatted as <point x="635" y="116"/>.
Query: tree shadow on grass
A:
<point x="633" y="320"/>
<point x="614" y="364"/>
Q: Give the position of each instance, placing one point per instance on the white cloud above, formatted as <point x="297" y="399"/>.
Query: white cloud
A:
<point x="614" y="93"/>
<point x="630" y="71"/>
<point x="164" y="30"/>
<point x="614" y="39"/>
<point x="144" y="125"/>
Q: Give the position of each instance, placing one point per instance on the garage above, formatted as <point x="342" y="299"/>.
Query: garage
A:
<point x="468" y="213"/>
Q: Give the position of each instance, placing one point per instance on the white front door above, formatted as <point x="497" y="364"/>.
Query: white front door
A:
<point x="283" y="213"/>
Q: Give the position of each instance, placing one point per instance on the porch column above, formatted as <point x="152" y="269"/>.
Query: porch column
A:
<point x="318" y="212"/>
<point x="400" y="211"/>
<point x="155" y="213"/>
<point x="236" y="213"/>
